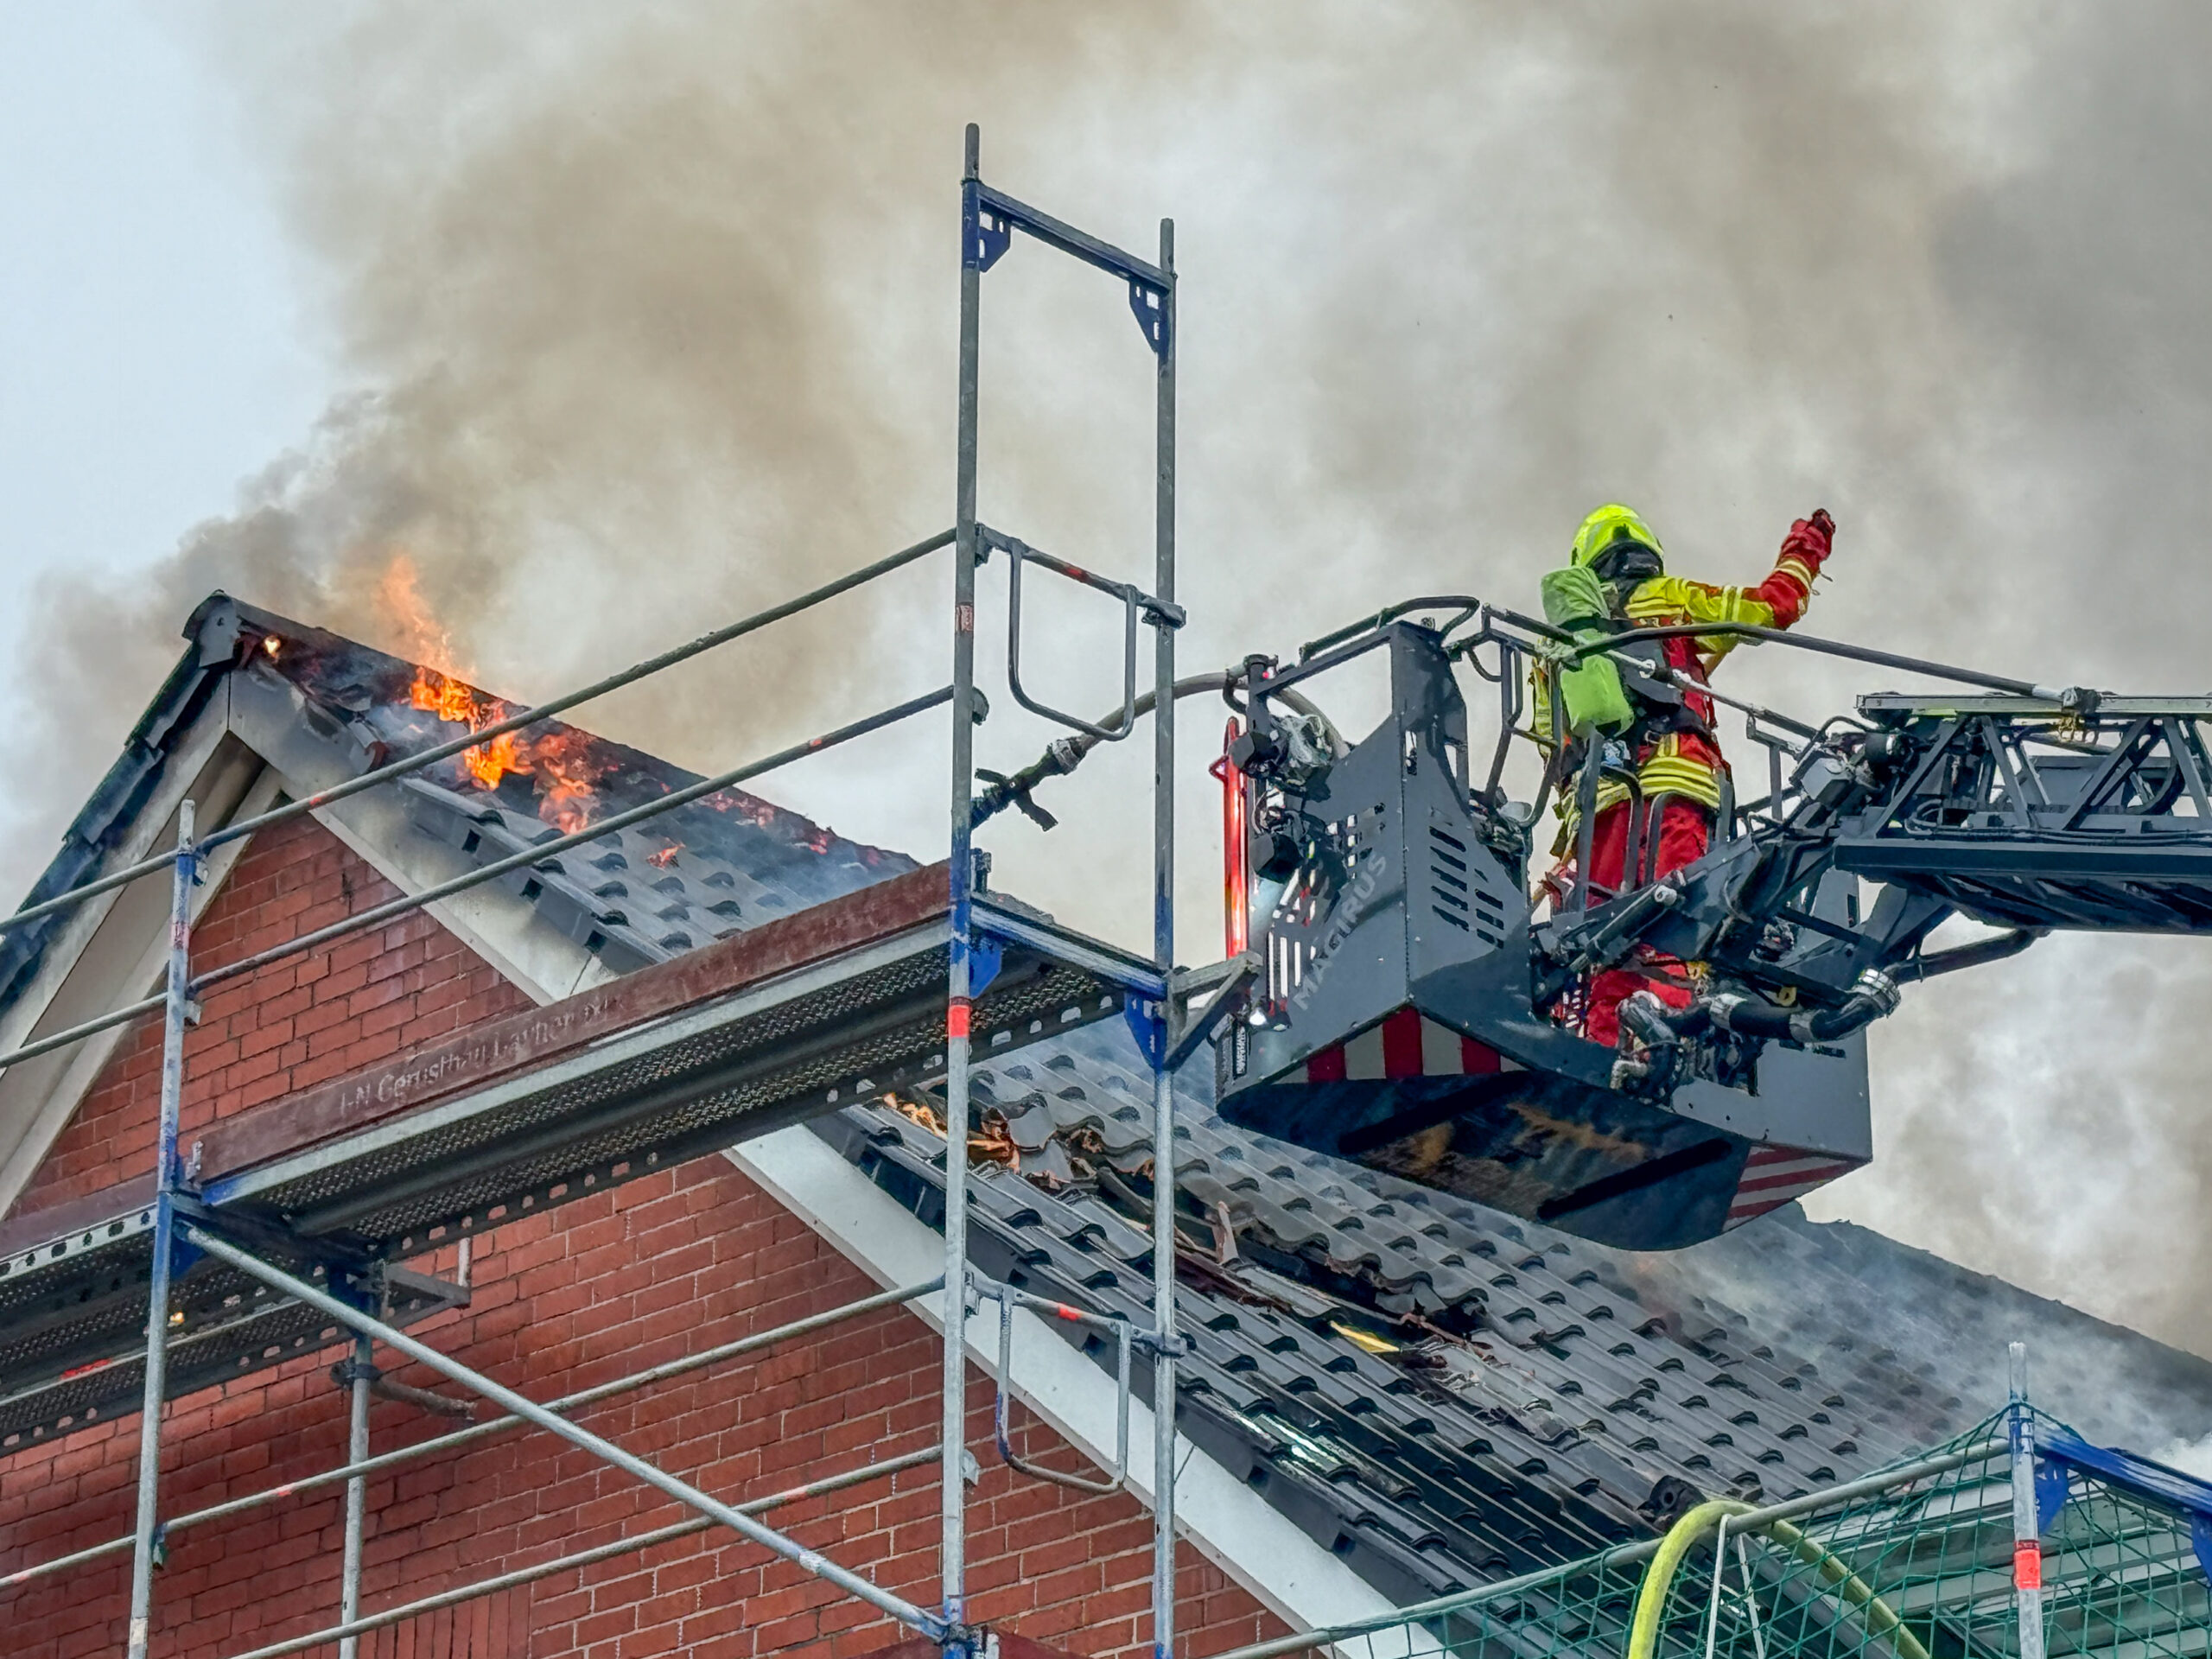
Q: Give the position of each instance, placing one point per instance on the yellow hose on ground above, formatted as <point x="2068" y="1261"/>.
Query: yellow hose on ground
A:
<point x="1836" y="1577"/>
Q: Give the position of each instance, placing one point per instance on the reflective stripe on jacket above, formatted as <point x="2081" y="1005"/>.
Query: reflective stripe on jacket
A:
<point x="1683" y="763"/>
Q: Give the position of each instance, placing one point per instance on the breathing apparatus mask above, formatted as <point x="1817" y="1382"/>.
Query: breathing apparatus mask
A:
<point x="1625" y="562"/>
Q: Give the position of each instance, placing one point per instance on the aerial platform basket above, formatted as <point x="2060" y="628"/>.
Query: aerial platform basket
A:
<point x="1416" y="1014"/>
<point x="1397" y="1022"/>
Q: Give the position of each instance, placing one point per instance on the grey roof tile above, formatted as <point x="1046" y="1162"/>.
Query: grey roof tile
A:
<point x="1542" y="1424"/>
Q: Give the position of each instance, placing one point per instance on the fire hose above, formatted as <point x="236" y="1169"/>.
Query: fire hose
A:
<point x="1656" y="1024"/>
<point x="1836" y="1579"/>
<point x="1660" y="1030"/>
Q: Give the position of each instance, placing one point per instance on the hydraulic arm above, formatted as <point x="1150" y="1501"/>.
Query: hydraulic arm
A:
<point x="2026" y="813"/>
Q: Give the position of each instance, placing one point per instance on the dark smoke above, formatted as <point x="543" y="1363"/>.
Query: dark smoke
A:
<point x="649" y="313"/>
<point x="2046" y="1122"/>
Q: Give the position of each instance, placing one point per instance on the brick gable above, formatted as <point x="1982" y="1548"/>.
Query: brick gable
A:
<point x="292" y="1024"/>
<point x="667" y="1265"/>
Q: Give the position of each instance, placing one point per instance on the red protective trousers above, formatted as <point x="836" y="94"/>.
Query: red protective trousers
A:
<point x="1685" y="832"/>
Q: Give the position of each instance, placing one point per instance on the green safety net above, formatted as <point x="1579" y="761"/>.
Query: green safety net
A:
<point x="1922" y="1569"/>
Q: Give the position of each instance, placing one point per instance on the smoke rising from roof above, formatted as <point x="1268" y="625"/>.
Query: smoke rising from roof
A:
<point x="650" y="314"/>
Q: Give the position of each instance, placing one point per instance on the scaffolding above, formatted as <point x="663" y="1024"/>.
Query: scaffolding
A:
<point x="2018" y="1540"/>
<point x="924" y="982"/>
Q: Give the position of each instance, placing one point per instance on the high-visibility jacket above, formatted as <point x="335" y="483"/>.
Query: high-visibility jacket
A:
<point x="1678" y="753"/>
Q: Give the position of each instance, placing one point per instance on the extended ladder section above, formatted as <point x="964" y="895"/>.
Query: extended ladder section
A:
<point x="2025" y="814"/>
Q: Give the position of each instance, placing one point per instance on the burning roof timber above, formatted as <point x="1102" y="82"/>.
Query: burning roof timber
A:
<point x="564" y="776"/>
<point x="367" y="707"/>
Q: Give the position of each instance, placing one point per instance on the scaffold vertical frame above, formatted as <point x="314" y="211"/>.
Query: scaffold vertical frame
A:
<point x="988" y="220"/>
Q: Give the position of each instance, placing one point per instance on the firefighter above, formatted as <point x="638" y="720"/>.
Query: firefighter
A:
<point x="1617" y="581"/>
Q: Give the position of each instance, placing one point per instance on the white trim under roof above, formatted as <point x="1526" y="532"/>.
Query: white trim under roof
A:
<point x="1230" y="1524"/>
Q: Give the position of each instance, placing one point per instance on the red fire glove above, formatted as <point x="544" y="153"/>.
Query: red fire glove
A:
<point x="1811" y="539"/>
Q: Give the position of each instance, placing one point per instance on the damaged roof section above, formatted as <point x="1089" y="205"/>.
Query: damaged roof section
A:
<point x="1442" y="1400"/>
<point x="696" y="874"/>
<point x="1441" y="1394"/>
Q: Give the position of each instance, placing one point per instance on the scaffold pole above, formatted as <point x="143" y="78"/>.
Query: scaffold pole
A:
<point x="359" y="1376"/>
<point x="1163" y="947"/>
<point x="2027" y="1533"/>
<point x="177" y="1007"/>
<point x="953" y="1437"/>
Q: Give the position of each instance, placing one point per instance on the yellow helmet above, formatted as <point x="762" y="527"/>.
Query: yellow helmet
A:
<point x="1610" y="523"/>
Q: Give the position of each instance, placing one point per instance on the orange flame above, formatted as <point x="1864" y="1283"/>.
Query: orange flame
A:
<point x="732" y="803"/>
<point x="422" y="637"/>
<point x="462" y="705"/>
<point x="568" y="770"/>
<point x="563" y="763"/>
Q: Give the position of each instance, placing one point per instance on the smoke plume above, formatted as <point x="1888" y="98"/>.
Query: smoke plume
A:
<point x="646" y="317"/>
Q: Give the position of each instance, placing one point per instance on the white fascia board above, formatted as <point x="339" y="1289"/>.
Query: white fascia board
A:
<point x="1293" y="1577"/>
<point x="46" y="1003"/>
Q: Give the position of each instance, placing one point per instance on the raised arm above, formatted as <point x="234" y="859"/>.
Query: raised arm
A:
<point x="1776" y="602"/>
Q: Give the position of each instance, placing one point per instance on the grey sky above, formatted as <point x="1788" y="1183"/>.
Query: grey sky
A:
<point x="152" y="350"/>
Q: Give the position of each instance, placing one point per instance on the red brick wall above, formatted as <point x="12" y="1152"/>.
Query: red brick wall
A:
<point x="666" y="1266"/>
<point x="294" y="1023"/>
